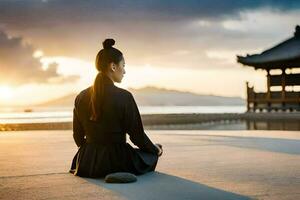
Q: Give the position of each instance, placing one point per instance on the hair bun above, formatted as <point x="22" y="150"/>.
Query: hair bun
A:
<point x="108" y="43"/>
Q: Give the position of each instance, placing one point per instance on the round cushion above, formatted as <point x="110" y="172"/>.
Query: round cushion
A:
<point x="120" y="177"/>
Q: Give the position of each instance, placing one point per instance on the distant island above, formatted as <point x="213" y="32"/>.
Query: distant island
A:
<point x="153" y="96"/>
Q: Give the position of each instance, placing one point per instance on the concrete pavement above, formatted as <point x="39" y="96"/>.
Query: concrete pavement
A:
<point x="196" y="164"/>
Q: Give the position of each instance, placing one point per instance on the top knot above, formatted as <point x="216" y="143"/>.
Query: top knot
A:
<point x="108" y="43"/>
<point x="297" y="31"/>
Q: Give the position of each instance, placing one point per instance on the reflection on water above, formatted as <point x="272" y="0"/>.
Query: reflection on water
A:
<point x="290" y="125"/>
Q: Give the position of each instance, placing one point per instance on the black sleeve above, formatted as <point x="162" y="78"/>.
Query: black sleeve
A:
<point x="134" y="127"/>
<point x="78" y="132"/>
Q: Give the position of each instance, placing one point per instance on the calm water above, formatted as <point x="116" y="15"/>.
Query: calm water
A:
<point x="65" y="114"/>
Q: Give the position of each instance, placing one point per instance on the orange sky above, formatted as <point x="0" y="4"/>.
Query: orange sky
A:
<point x="166" y="47"/>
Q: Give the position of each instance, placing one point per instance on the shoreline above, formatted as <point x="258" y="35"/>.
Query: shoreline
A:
<point x="192" y="121"/>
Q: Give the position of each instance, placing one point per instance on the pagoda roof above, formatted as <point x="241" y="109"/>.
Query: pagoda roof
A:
<point x="284" y="55"/>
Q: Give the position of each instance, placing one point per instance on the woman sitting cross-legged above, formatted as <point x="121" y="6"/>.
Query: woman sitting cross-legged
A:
<point x="102" y="116"/>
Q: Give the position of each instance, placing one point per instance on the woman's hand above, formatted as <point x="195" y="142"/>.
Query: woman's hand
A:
<point x="160" y="150"/>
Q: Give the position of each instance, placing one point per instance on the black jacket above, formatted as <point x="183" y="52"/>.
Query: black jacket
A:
<point x="120" y="115"/>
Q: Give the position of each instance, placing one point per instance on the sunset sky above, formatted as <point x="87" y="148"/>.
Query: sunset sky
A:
<point x="48" y="47"/>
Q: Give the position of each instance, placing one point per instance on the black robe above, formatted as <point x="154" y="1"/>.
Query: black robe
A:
<point x="102" y="146"/>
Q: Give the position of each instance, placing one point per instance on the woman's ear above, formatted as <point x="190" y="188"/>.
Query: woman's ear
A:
<point x="112" y="66"/>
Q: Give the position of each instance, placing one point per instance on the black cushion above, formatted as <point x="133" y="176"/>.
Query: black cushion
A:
<point x="120" y="177"/>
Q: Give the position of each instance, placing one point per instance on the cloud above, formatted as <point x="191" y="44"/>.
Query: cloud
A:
<point x="78" y="10"/>
<point x="148" y="31"/>
<point x="19" y="66"/>
<point x="202" y="35"/>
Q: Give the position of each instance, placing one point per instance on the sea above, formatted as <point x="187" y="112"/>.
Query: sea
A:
<point x="65" y="114"/>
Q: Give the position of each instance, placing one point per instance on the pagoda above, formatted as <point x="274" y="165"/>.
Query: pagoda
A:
<point x="283" y="56"/>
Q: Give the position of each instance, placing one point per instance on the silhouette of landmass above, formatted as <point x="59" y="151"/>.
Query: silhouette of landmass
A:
<point x="153" y="96"/>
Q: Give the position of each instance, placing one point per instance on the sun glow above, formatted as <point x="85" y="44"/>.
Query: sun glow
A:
<point x="6" y="92"/>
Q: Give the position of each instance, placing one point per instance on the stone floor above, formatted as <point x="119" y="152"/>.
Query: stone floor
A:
<point x="196" y="164"/>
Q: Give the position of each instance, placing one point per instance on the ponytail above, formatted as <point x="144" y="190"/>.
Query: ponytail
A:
<point x="96" y="101"/>
<point x="104" y="57"/>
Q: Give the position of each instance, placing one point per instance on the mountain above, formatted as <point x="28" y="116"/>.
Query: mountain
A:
<point x="165" y="97"/>
<point x="153" y="96"/>
<point x="63" y="101"/>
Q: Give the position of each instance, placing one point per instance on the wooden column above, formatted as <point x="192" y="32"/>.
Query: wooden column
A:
<point x="268" y="85"/>
<point x="283" y="76"/>
<point x="247" y="89"/>
<point x="268" y="90"/>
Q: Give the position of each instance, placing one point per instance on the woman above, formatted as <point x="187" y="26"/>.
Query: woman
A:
<point x="103" y="113"/>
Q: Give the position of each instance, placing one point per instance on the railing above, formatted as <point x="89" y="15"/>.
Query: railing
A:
<point x="275" y="101"/>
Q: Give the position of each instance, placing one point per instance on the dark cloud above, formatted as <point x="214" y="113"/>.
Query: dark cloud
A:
<point x="146" y="31"/>
<point x="18" y="66"/>
<point x="52" y="11"/>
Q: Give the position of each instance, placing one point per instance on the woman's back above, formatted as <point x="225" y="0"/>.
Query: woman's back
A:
<point x="102" y="144"/>
<point x="112" y="118"/>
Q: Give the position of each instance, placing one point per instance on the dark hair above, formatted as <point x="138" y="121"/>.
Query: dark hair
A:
<point x="104" y="57"/>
